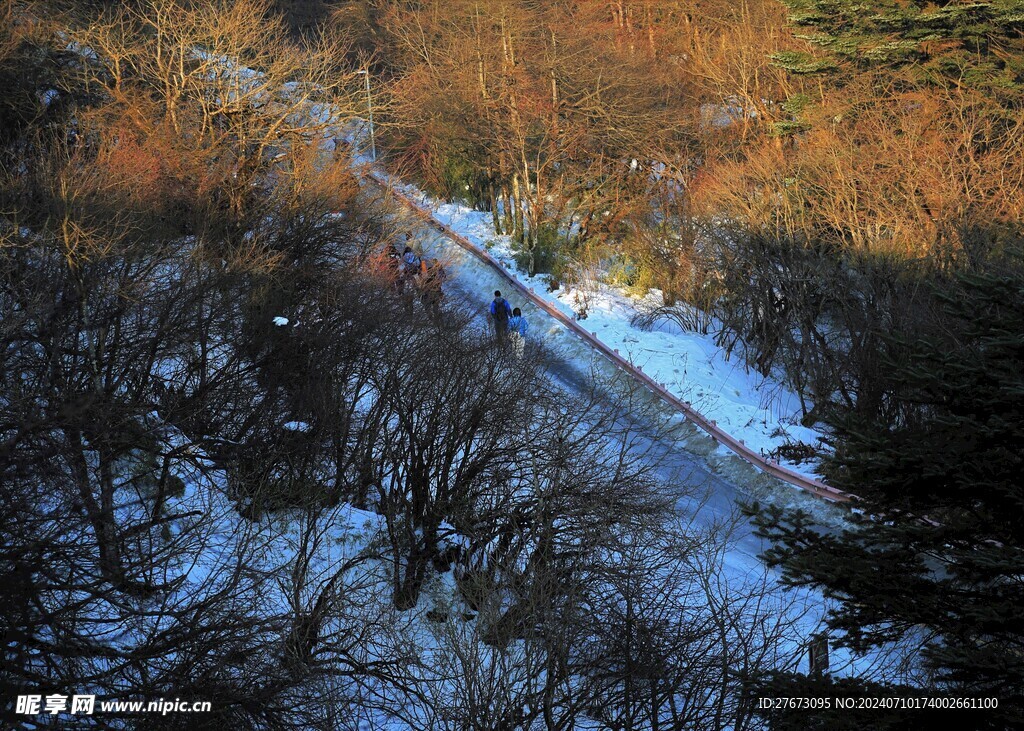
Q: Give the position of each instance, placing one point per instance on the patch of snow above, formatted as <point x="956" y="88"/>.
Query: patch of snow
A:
<point x="48" y="97"/>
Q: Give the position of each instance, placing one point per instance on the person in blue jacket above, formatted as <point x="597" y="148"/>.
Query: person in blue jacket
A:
<point x="517" y="327"/>
<point x="410" y="269"/>
<point x="500" y="314"/>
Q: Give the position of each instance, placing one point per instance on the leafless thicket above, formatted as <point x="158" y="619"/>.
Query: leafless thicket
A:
<point x="205" y="376"/>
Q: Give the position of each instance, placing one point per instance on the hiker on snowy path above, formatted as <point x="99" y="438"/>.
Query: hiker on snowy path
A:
<point x="500" y="314"/>
<point x="410" y="263"/>
<point x="410" y="269"/>
<point x="432" y="276"/>
<point x="517" y="327"/>
<point x="392" y="266"/>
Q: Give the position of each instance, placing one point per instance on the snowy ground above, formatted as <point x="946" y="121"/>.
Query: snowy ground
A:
<point x="762" y="412"/>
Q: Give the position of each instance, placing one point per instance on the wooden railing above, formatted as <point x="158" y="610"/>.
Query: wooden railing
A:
<point x="815" y="487"/>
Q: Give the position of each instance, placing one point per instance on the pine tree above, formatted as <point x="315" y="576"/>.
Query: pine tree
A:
<point x="974" y="48"/>
<point x="976" y="44"/>
<point x="937" y="555"/>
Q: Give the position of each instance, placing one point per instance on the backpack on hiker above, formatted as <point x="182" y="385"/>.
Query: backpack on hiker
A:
<point x="410" y="263"/>
<point x="500" y="310"/>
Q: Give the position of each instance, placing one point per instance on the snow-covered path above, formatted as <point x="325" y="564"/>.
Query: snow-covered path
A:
<point x="473" y="282"/>
<point x="685" y="456"/>
<point x="709" y="479"/>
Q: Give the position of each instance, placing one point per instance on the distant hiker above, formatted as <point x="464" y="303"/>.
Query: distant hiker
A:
<point x="432" y="276"/>
<point x="518" y="323"/>
<point x="410" y="263"/>
<point x="391" y="266"/>
<point x="517" y="327"/>
<point x="500" y="314"/>
<point x="410" y="268"/>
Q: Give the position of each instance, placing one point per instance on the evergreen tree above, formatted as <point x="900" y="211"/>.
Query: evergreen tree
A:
<point x="937" y="555"/>
<point x="974" y="49"/>
<point x="975" y="44"/>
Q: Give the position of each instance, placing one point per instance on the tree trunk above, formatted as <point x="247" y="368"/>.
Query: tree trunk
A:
<point x="492" y="201"/>
<point x="517" y="210"/>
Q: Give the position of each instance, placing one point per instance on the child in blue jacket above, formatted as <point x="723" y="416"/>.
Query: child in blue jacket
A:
<point x="518" y="325"/>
